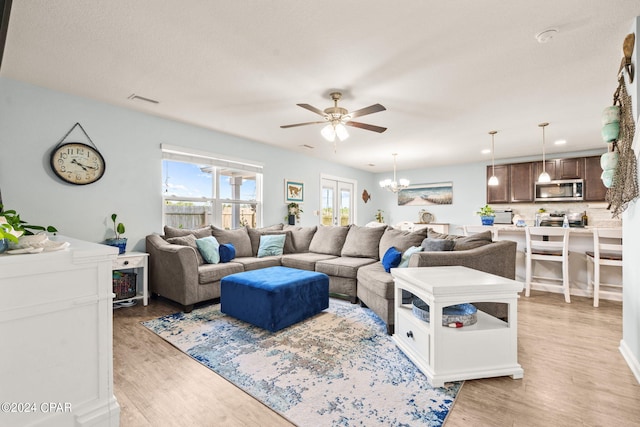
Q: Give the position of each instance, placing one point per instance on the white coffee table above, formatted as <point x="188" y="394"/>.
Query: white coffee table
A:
<point x="488" y="348"/>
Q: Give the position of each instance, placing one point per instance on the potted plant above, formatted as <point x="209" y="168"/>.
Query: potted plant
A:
<point x="294" y="210"/>
<point x="487" y="215"/>
<point x="12" y="227"/>
<point x="380" y="216"/>
<point x="119" y="241"/>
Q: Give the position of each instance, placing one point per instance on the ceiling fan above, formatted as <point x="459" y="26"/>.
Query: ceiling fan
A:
<point x="337" y="117"/>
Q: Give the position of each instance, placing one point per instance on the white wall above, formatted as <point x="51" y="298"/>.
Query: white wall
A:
<point x="33" y="120"/>
<point x="630" y="343"/>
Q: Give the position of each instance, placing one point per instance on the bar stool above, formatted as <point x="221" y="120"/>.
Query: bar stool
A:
<point x="475" y="229"/>
<point x="547" y="244"/>
<point x="607" y="250"/>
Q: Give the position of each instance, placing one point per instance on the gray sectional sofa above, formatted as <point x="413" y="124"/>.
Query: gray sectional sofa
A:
<point x="350" y="255"/>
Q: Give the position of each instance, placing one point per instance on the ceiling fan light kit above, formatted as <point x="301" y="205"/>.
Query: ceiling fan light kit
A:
<point x="336" y="118"/>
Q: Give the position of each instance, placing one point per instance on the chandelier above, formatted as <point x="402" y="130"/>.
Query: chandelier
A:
<point x="395" y="185"/>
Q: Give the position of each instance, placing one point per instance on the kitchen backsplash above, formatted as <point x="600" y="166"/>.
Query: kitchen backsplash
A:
<point x="597" y="213"/>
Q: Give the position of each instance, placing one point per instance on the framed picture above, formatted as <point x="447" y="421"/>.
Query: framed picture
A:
<point x="439" y="193"/>
<point x="293" y="191"/>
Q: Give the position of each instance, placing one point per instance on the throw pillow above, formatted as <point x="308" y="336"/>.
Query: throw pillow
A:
<point x="181" y="232"/>
<point x="401" y="240"/>
<point x="271" y="245"/>
<point x="208" y="247"/>
<point x="404" y="262"/>
<point x="255" y="233"/>
<point x="188" y="240"/>
<point x="300" y="238"/>
<point x="227" y="252"/>
<point x="238" y="237"/>
<point x="391" y="259"/>
<point x="362" y="242"/>
<point x="329" y="240"/>
<point x="473" y="241"/>
<point x="435" y="245"/>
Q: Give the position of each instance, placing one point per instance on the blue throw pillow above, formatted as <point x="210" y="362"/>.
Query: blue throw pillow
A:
<point x="208" y="247"/>
<point x="391" y="259"/>
<point x="407" y="254"/>
<point x="271" y="244"/>
<point x="227" y="252"/>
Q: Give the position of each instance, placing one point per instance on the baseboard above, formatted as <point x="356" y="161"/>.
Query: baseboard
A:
<point x="632" y="361"/>
<point x="604" y="295"/>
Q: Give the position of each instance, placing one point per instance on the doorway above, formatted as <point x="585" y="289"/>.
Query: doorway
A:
<point x="337" y="201"/>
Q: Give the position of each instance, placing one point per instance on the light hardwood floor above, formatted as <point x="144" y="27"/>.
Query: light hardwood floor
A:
<point x="574" y="375"/>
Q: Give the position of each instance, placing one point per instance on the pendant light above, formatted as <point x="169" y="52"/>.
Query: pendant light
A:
<point x="544" y="176"/>
<point x="395" y="185"/>
<point x="494" y="179"/>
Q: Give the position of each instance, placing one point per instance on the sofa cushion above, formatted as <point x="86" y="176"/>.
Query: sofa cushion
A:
<point x="329" y="240"/>
<point x="404" y="262"/>
<point x="271" y="245"/>
<point x="239" y="238"/>
<point x="391" y="259"/>
<point x="255" y="233"/>
<point x="343" y="266"/>
<point x="209" y="249"/>
<point x="432" y="245"/>
<point x="362" y="242"/>
<point x="188" y="240"/>
<point x="473" y="241"/>
<point x="179" y="232"/>
<point x="304" y="261"/>
<point x="300" y="238"/>
<point x="208" y="273"/>
<point x="227" y="252"/>
<point x="253" y="263"/>
<point x="401" y="240"/>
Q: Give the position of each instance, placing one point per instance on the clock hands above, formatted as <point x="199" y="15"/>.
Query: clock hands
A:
<point x="84" y="167"/>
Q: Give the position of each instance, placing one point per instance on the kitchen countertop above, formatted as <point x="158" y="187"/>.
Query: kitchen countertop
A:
<point x="577" y="230"/>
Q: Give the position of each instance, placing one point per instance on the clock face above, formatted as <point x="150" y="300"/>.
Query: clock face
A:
<point x="77" y="163"/>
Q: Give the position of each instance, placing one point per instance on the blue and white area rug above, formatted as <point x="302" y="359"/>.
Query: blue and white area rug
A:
<point x="338" y="368"/>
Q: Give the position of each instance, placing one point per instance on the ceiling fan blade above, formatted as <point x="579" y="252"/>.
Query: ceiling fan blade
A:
<point x="311" y="108"/>
<point x="365" y="126"/>
<point x="375" y="108"/>
<point x="301" y="124"/>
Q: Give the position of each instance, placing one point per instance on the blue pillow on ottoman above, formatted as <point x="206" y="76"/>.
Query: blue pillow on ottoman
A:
<point x="391" y="259"/>
<point x="227" y="252"/>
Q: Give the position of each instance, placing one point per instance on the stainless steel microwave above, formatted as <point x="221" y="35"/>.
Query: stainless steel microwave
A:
<point x="565" y="190"/>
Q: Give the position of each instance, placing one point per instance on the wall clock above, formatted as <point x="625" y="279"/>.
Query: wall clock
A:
<point x="76" y="162"/>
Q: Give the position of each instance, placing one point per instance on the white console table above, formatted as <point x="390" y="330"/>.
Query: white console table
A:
<point x="489" y="348"/>
<point x="136" y="262"/>
<point x="56" y="363"/>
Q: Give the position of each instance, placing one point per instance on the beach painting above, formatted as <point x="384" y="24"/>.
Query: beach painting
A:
<point x="439" y="193"/>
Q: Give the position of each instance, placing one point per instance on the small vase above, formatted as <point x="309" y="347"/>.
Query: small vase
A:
<point x="292" y="220"/>
<point x="487" y="220"/>
<point x="121" y="244"/>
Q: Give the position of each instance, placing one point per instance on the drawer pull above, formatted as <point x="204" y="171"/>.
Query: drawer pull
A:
<point x="410" y="334"/>
<point x="126" y="263"/>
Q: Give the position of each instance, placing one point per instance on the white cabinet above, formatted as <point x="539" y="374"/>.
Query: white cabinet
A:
<point x="135" y="262"/>
<point x="56" y="363"/>
<point x="488" y="348"/>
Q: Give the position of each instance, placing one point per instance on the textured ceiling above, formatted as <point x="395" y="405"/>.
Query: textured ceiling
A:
<point x="447" y="72"/>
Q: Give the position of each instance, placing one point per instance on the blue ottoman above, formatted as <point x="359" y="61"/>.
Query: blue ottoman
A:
<point x="275" y="297"/>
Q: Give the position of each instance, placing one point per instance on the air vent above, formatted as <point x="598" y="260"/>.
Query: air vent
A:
<point x="133" y="96"/>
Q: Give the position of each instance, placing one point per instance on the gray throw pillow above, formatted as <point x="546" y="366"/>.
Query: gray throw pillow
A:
<point x="300" y="238"/>
<point x="329" y="240"/>
<point x="362" y="242"/>
<point x="436" y="245"/>
<point x="401" y="240"/>
<point x="239" y="238"/>
<point x="188" y="240"/>
<point x="180" y="232"/>
<point x="473" y="241"/>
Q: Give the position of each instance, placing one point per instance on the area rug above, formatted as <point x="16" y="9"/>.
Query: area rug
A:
<point x="338" y="368"/>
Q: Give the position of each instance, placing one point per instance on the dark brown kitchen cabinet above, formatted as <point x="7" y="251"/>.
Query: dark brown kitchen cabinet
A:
<point x="521" y="182"/>
<point x="561" y="168"/>
<point x="498" y="193"/>
<point x="594" y="189"/>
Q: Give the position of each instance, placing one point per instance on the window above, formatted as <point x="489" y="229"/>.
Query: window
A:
<point x="203" y="188"/>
